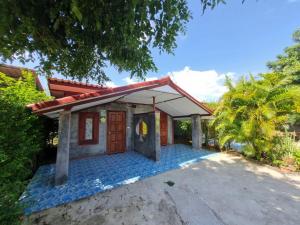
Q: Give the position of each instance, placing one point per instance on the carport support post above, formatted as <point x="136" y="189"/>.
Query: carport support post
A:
<point x="196" y="132"/>
<point x="129" y="130"/>
<point x="62" y="156"/>
<point x="157" y="134"/>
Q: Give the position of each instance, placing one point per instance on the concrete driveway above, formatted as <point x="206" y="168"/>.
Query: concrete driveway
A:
<point x="223" y="189"/>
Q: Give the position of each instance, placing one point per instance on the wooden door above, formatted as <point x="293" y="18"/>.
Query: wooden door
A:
<point x="116" y="132"/>
<point x="163" y="128"/>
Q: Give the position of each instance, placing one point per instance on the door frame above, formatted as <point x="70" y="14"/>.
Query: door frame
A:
<point x="167" y="128"/>
<point x="107" y="130"/>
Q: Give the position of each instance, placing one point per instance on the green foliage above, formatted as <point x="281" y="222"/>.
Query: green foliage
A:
<point x="253" y="109"/>
<point x="209" y="130"/>
<point x="297" y="159"/>
<point x="212" y="105"/>
<point x="289" y="62"/>
<point x="283" y="146"/>
<point x="213" y="3"/>
<point x="183" y="130"/>
<point x="20" y="139"/>
<point x="79" y="38"/>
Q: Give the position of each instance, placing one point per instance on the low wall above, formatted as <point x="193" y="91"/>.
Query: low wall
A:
<point x="147" y="138"/>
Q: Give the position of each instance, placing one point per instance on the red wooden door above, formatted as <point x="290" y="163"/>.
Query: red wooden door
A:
<point x="116" y="132"/>
<point x="163" y="128"/>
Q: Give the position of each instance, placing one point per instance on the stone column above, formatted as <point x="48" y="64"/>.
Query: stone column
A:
<point x="62" y="156"/>
<point x="170" y="130"/>
<point x="129" y="128"/>
<point x="196" y="132"/>
<point x="157" y="135"/>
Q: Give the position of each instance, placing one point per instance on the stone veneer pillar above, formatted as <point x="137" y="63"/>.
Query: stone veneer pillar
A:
<point x="196" y="132"/>
<point x="157" y="134"/>
<point x="62" y="156"/>
<point x="170" y="130"/>
<point x="129" y="128"/>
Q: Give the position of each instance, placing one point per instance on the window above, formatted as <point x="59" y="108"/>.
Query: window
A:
<point x="88" y="128"/>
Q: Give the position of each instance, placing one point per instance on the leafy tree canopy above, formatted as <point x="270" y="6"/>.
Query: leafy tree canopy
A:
<point x="288" y="63"/>
<point x="79" y="38"/>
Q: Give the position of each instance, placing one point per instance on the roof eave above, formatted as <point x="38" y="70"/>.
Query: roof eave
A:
<point x="70" y="101"/>
<point x="39" y="109"/>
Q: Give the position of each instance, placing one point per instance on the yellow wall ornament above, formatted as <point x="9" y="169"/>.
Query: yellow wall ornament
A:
<point x="141" y="129"/>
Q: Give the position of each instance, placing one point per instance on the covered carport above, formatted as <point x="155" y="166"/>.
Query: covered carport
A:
<point x="156" y="97"/>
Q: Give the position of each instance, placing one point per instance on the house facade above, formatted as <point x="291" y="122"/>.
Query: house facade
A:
<point x="97" y="120"/>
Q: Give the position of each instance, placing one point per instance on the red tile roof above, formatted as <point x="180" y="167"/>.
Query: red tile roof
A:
<point x="62" y="88"/>
<point x="75" y="83"/>
<point x="68" y="102"/>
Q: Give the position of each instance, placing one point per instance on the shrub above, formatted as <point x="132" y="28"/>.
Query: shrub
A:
<point x="183" y="131"/>
<point x="283" y="150"/>
<point x="284" y="145"/>
<point x="21" y="137"/>
<point x="297" y="159"/>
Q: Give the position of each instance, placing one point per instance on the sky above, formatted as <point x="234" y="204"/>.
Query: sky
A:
<point x="234" y="39"/>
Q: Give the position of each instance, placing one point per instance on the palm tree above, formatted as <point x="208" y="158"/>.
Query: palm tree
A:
<point x="253" y="110"/>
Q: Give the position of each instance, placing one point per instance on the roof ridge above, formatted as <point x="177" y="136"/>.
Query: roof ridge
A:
<point x="17" y="67"/>
<point x="75" y="82"/>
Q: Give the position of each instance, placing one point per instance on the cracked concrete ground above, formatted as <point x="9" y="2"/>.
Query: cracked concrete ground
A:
<point x="224" y="189"/>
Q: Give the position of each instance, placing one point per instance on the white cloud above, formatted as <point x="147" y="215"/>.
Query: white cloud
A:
<point x="128" y="80"/>
<point x="203" y="85"/>
<point x="110" y="84"/>
<point x="151" y="78"/>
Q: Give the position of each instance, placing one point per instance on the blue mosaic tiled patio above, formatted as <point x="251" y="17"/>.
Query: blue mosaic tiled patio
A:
<point x="97" y="174"/>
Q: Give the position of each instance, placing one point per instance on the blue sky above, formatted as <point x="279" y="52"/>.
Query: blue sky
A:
<point x="233" y="39"/>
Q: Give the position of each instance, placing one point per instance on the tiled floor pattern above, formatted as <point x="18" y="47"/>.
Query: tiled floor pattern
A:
<point x="97" y="174"/>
